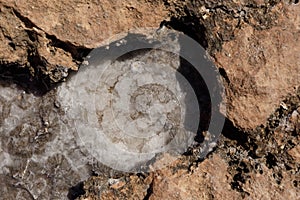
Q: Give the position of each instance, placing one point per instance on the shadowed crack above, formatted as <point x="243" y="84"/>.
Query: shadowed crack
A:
<point x="77" y="52"/>
<point x="38" y="75"/>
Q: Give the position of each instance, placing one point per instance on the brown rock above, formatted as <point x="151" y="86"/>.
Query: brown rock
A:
<point x="262" y="67"/>
<point x="87" y="23"/>
<point x="14" y="39"/>
<point x="118" y="185"/>
<point x="256" y="45"/>
<point x="209" y="180"/>
<point x="263" y="186"/>
<point x="295" y="153"/>
<point x="51" y="38"/>
<point x="260" y="57"/>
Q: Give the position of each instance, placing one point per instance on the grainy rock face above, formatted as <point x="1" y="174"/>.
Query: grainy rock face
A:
<point x="254" y="43"/>
<point x="264" y="165"/>
<point x="261" y="67"/>
<point x="51" y="38"/>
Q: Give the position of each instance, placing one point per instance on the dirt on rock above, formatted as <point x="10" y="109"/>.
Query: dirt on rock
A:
<point x="254" y="44"/>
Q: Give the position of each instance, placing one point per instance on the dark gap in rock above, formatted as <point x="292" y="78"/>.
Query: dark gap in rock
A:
<point x="32" y="35"/>
<point x="13" y="73"/>
<point x="236" y="183"/>
<point x="233" y="133"/>
<point x="93" y="173"/>
<point x="271" y="160"/>
<point x="12" y="45"/>
<point x="295" y="183"/>
<point x="189" y="25"/>
<point x="287" y="167"/>
<point x="252" y="146"/>
<point x="28" y="23"/>
<point x="201" y="91"/>
<point x="78" y="52"/>
<point x="149" y="191"/>
<point x="291" y="143"/>
<point x="142" y="175"/>
<point x="273" y="2"/>
<point x="278" y="177"/>
<point x="244" y="168"/>
<point x="224" y="74"/>
<point x="257" y="167"/>
<point x="76" y="191"/>
<point x="239" y="178"/>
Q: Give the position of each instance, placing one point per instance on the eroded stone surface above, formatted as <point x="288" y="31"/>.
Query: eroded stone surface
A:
<point x="33" y="36"/>
<point x="87" y="24"/>
<point x="255" y="44"/>
<point x="206" y="181"/>
<point x="51" y="38"/>
<point x="262" y="67"/>
<point x="235" y="170"/>
<point x="254" y="41"/>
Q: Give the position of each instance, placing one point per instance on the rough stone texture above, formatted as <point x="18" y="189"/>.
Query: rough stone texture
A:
<point x="255" y="44"/>
<point x="84" y="23"/>
<point x="259" y="184"/>
<point x="262" y="166"/>
<point x="250" y="40"/>
<point x="261" y="67"/>
<point x="206" y="181"/>
<point x="134" y="107"/>
<point x="39" y="156"/>
<point x="51" y="38"/>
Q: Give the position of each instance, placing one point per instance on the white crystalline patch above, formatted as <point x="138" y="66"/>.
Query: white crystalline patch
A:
<point x="126" y="111"/>
<point x="32" y="131"/>
<point x="117" y="112"/>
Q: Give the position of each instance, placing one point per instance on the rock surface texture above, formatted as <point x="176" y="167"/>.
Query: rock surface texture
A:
<point x="261" y="67"/>
<point x="254" y="44"/>
<point x="51" y="38"/>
